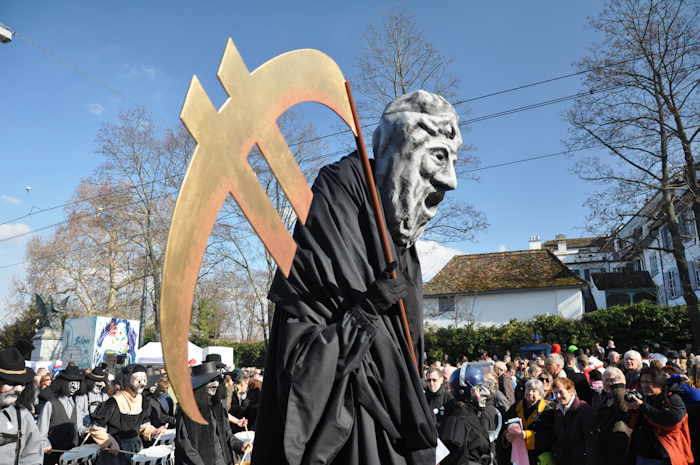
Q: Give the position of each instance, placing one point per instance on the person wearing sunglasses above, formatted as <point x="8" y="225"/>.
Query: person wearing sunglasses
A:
<point x="436" y="393"/>
<point x="546" y="380"/>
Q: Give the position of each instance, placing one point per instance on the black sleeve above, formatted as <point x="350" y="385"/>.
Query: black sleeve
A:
<point x="670" y="411"/>
<point x="105" y="412"/>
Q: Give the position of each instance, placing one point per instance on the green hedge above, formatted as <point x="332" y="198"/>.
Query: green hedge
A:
<point x="245" y="354"/>
<point x="630" y="326"/>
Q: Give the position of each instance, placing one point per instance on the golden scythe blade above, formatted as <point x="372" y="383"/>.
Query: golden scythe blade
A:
<point x="219" y="167"/>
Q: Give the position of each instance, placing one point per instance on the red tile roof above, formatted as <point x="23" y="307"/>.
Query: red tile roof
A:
<point x="522" y="269"/>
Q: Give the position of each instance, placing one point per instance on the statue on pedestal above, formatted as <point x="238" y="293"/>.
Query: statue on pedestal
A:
<point x="47" y="341"/>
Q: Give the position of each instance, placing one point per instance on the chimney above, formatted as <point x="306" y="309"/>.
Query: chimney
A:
<point x="535" y="243"/>
<point x="561" y="243"/>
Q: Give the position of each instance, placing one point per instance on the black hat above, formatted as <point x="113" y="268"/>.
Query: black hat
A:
<point x="216" y="358"/>
<point x="97" y="374"/>
<point x="12" y="369"/>
<point x="672" y="354"/>
<point x="212" y="358"/>
<point x="204" y="373"/>
<point x="71" y="373"/>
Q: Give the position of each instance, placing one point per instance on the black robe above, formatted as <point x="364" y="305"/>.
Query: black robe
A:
<point x="339" y="385"/>
<point x="194" y="443"/>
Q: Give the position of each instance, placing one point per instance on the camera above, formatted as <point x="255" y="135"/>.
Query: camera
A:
<point x="631" y="395"/>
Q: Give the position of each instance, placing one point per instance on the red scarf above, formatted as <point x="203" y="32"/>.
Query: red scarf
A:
<point x="676" y="441"/>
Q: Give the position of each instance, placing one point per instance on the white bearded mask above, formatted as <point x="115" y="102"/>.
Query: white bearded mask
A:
<point x="415" y="149"/>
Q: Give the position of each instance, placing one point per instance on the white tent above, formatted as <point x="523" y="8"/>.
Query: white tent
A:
<point x="152" y="353"/>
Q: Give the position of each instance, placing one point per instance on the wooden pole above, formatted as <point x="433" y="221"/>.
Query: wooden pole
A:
<point x="379" y="215"/>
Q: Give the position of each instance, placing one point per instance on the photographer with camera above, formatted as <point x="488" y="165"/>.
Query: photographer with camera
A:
<point x="661" y="434"/>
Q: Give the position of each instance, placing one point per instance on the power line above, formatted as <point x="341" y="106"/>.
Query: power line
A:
<point x="367" y="125"/>
<point x="104" y="244"/>
<point x="498" y="165"/>
<point x="79" y="217"/>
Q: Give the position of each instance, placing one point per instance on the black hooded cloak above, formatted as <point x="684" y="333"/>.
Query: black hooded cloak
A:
<point x="340" y="387"/>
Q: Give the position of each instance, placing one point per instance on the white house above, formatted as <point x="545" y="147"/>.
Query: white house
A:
<point x="613" y="278"/>
<point x="494" y="288"/>
<point x="642" y="241"/>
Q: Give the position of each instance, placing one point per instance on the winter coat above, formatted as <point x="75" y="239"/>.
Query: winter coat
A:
<point x="574" y="435"/>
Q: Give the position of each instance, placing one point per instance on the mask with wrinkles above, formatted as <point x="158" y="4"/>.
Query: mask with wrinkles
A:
<point x="415" y="150"/>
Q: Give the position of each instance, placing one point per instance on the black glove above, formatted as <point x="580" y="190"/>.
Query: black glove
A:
<point x="385" y="291"/>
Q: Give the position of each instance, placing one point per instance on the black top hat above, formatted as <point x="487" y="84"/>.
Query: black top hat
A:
<point x="71" y="373"/>
<point x="97" y="374"/>
<point x="204" y="373"/>
<point x="12" y="369"/>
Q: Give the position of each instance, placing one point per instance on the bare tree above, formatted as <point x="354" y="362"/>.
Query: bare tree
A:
<point x="152" y="166"/>
<point x="234" y="241"/>
<point x="641" y="104"/>
<point x="90" y="258"/>
<point x="397" y="59"/>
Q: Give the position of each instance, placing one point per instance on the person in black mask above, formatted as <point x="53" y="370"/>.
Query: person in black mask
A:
<point x="462" y="429"/>
<point x="214" y="443"/>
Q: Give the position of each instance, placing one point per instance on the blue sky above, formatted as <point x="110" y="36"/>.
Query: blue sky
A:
<point x="77" y="64"/>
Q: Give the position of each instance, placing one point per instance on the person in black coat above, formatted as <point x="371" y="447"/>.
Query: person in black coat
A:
<point x="613" y="419"/>
<point x="462" y="430"/>
<point x="437" y="394"/>
<point x="214" y="443"/>
<point x="574" y="431"/>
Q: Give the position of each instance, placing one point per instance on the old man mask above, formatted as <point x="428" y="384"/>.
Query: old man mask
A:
<point x="415" y="150"/>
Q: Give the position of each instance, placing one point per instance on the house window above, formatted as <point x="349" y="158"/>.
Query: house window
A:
<point x="665" y="238"/>
<point x="694" y="270"/>
<point x="446" y="304"/>
<point x="653" y="264"/>
<point x="673" y="284"/>
<point x="686" y="226"/>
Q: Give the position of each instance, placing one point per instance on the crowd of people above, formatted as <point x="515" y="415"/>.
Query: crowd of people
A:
<point x="123" y="412"/>
<point x="569" y="407"/>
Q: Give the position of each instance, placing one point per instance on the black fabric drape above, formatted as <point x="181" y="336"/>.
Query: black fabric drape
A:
<point x="339" y="384"/>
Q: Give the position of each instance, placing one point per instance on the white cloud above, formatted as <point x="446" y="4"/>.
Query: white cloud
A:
<point x="433" y="257"/>
<point x="10" y="230"/>
<point x="95" y="108"/>
<point x="10" y="200"/>
<point x="502" y="248"/>
<point x="142" y="71"/>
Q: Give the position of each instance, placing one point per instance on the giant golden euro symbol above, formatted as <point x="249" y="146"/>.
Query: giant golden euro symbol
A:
<point x="219" y="167"/>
